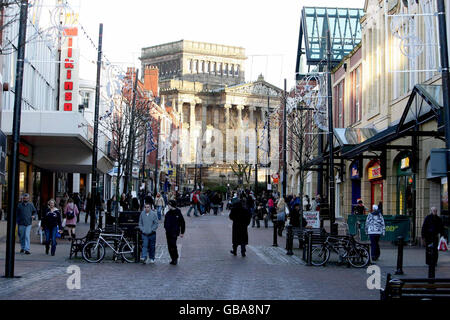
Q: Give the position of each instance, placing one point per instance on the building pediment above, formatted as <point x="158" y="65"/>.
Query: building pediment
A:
<point x="259" y="88"/>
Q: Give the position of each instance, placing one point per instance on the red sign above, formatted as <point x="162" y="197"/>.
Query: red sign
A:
<point x="375" y="172"/>
<point x="24" y="150"/>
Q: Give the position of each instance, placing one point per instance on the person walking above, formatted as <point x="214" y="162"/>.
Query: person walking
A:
<point x="51" y="224"/>
<point x="281" y="216"/>
<point x="175" y="226"/>
<point x="216" y="202"/>
<point x="375" y="227"/>
<point x="431" y="229"/>
<point x="241" y="218"/>
<point x="148" y="224"/>
<point x="25" y="213"/>
<point x="360" y="210"/>
<point x="159" y="204"/>
<point x="71" y="214"/>
<point x="88" y="207"/>
<point x="124" y="202"/>
<point x="203" y="202"/>
<point x="194" y="201"/>
<point x="63" y="202"/>
<point x="77" y="202"/>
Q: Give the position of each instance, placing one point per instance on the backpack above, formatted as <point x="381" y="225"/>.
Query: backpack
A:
<point x="70" y="215"/>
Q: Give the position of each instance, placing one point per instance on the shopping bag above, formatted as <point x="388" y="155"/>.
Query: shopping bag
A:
<point x="443" y="244"/>
<point x="58" y="235"/>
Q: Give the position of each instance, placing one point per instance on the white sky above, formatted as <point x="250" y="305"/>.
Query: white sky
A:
<point x="267" y="29"/>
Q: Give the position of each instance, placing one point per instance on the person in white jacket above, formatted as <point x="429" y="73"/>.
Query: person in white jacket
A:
<point x="375" y="228"/>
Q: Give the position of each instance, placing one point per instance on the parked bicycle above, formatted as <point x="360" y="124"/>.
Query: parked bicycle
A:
<point x="346" y="247"/>
<point x="94" y="251"/>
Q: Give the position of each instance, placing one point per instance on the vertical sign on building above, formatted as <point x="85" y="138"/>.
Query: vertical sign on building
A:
<point x="70" y="68"/>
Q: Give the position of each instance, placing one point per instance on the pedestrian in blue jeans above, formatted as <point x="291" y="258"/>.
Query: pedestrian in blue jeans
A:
<point x="148" y="224"/>
<point x="375" y="228"/>
<point x="25" y="213"/>
<point x="51" y="224"/>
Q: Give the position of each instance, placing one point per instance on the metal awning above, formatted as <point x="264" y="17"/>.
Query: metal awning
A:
<point x="425" y="104"/>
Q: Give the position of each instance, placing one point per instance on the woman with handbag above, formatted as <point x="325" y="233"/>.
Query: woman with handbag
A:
<point x="51" y="224"/>
<point x="71" y="214"/>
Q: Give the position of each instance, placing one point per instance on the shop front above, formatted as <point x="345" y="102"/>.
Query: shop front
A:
<point x="376" y="183"/>
<point x="355" y="178"/>
<point x="405" y="186"/>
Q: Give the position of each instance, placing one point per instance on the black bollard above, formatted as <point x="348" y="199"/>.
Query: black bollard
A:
<point x="309" y="258"/>
<point x="275" y="235"/>
<point x="431" y="260"/>
<point x="137" y="252"/>
<point x="289" y="240"/>
<point x="400" y="257"/>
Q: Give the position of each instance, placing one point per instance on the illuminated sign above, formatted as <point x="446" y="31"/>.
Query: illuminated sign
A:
<point x="375" y="172"/>
<point x="69" y="65"/>
<point x="405" y="163"/>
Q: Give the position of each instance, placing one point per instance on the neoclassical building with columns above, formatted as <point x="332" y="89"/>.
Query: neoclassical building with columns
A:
<point x="204" y="84"/>
<point x="227" y="110"/>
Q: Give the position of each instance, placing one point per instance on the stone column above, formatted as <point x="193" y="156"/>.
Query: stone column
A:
<point x="227" y="127"/>
<point x="227" y="116"/>
<point x="239" y="109"/>
<point x="193" y="127"/>
<point x="252" y="117"/>
<point x="216" y="120"/>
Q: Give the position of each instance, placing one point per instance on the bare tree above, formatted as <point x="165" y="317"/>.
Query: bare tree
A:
<point x="301" y="140"/>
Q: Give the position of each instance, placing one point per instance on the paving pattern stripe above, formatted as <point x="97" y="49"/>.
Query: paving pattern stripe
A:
<point x="275" y="256"/>
<point x="9" y="286"/>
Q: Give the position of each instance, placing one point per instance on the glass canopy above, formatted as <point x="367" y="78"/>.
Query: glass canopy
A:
<point x="353" y="136"/>
<point x="425" y="104"/>
<point x="345" y="32"/>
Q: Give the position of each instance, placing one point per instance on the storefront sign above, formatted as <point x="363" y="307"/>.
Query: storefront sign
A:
<point x="405" y="163"/>
<point x="135" y="172"/>
<point x="354" y="171"/>
<point x="375" y="172"/>
<point x="24" y="150"/>
<point x="312" y="218"/>
<point x="70" y="65"/>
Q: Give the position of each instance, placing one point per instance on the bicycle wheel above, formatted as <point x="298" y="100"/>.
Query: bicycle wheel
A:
<point x="358" y="257"/>
<point x="92" y="252"/>
<point x="127" y="251"/>
<point x="320" y="256"/>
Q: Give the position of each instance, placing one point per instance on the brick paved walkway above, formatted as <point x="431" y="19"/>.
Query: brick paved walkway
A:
<point x="206" y="271"/>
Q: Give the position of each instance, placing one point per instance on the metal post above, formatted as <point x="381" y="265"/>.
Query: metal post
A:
<point x="95" y="146"/>
<point x="14" y="159"/>
<point x="257" y="159"/>
<point x="136" y="249"/>
<point x="309" y="257"/>
<point x="268" y="142"/>
<point x="331" y="193"/>
<point x="284" y="142"/>
<point x="156" y="163"/>
<point x="400" y="257"/>
<point x="289" y="240"/>
<point x="275" y="235"/>
<point x="445" y="77"/>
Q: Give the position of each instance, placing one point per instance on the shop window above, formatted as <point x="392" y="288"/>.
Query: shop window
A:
<point x="376" y="183"/>
<point x="405" y="186"/>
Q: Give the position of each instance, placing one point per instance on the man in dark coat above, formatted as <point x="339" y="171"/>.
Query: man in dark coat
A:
<point x="175" y="226"/>
<point x="431" y="229"/>
<point x="241" y="218"/>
